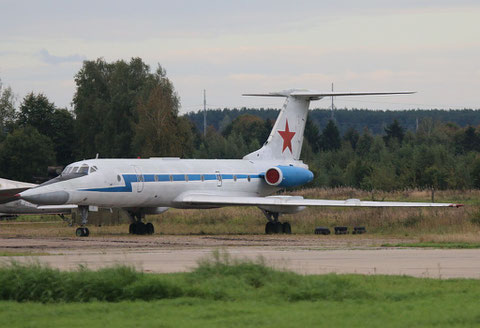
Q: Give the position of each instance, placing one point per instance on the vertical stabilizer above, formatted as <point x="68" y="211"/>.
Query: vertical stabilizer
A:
<point x="286" y="138"/>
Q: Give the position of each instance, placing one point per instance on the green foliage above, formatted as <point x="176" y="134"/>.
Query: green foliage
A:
<point x="106" y="102"/>
<point x="56" y="124"/>
<point x="330" y="138"/>
<point x="225" y="292"/>
<point x="7" y="110"/>
<point x="26" y="154"/>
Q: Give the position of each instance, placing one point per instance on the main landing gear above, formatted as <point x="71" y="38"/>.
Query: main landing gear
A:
<point x="83" y="231"/>
<point x="137" y="227"/>
<point x="275" y="226"/>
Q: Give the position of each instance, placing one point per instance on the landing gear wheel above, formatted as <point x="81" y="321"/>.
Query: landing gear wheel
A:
<point x="131" y="228"/>
<point x="82" y="232"/>
<point x="287" y="229"/>
<point x="149" y="228"/>
<point x="140" y="228"/>
<point x="278" y="227"/>
<point x="269" y="228"/>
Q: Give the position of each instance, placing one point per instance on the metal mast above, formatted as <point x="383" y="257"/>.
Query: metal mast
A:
<point x="333" y="107"/>
<point x="204" y="113"/>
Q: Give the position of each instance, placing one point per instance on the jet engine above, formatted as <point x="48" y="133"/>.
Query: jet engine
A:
<point x="287" y="176"/>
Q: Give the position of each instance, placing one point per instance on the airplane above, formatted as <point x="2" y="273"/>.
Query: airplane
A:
<point x="151" y="186"/>
<point x="11" y="206"/>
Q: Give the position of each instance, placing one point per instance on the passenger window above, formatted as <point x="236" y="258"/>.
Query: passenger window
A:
<point x="248" y="178"/>
<point x="171" y="178"/>
<point x="140" y="178"/>
<point x="119" y="178"/>
<point x="186" y="178"/>
<point x="235" y="178"/>
<point x="202" y="177"/>
<point x="156" y="178"/>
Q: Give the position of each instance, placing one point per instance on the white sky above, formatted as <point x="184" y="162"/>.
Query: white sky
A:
<point x="235" y="47"/>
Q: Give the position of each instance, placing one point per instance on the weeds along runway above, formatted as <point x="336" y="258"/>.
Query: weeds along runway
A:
<point x="305" y="254"/>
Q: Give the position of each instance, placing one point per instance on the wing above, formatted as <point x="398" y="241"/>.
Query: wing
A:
<point x="10" y="188"/>
<point x="294" y="201"/>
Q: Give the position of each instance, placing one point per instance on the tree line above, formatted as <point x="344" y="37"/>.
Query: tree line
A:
<point x="126" y="109"/>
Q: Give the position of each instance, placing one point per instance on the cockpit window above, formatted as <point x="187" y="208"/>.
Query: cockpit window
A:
<point x="78" y="170"/>
<point x="71" y="172"/>
<point x="83" y="169"/>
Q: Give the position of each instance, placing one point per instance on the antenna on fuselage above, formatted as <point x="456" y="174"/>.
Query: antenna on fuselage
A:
<point x="96" y="156"/>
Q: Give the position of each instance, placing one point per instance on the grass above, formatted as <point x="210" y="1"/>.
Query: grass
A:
<point x="425" y="224"/>
<point x="436" y="245"/>
<point x="223" y="292"/>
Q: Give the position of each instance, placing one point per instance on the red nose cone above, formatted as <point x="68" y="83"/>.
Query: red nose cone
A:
<point x="272" y="176"/>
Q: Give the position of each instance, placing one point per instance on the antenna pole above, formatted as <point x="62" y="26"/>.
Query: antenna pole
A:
<point x="204" y="113"/>
<point x="333" y="107"/>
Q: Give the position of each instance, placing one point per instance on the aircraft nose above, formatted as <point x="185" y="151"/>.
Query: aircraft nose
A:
<point x="45" y="198"/>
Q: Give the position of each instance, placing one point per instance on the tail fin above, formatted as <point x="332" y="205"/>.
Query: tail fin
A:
<point x="285" y="140"/>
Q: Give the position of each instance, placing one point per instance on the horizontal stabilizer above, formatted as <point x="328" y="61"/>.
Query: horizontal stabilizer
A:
<point x="315" y="95"/>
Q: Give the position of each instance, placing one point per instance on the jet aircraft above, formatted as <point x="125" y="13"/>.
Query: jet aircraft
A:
<point x="11" y="206"/>
<point x="151" y="186"/>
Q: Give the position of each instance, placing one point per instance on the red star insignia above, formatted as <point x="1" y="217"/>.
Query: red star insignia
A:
<point x="287" y="137"/>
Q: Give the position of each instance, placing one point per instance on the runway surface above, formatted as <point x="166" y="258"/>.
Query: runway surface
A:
<point x="302" y="254"/>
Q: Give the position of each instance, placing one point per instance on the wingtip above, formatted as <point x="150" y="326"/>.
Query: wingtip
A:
<point x="456" y="205"/>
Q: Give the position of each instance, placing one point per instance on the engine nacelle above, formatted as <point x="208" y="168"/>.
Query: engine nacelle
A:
<point x="287" y="176"/>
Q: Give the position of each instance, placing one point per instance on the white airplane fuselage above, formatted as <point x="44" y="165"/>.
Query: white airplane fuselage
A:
<point x="158" y="182"/>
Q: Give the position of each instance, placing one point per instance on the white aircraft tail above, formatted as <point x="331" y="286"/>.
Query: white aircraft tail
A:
<point x="286" y="139"/>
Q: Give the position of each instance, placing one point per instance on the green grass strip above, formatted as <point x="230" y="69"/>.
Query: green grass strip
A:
<point x="447" y="245"/>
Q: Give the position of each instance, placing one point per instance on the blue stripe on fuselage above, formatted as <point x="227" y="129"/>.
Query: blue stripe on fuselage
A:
<point x="130" y="178"/>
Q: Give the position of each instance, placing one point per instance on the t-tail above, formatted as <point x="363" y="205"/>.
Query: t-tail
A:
<point x="286" y="138"/>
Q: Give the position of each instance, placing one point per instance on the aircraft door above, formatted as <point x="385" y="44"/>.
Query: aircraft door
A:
<point x="140" y="178"/>
<point x="219" y="178"/>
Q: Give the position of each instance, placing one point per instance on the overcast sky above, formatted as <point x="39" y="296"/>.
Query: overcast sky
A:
<point x="235" y="47"/>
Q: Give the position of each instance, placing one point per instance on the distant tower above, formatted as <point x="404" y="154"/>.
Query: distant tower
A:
<point x="333" y="107"/>
<point x="204" y="113"/>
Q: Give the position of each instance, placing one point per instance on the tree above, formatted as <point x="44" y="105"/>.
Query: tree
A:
<point x="394" y="132"/>
<point x="249" y="127"/>
<point x="7" y="110"/>
<point x="63" y="136"/>
<point x="352" y="136"/>
<point x="330" y="139"/>
<point x="56" y="124"/>
<point x="26" y="154"/>
<point x="37" y="111"/>
<point x="105" y="104"/>
<point x="364" y="143"/>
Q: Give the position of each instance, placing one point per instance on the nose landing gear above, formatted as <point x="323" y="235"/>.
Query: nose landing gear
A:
<point x="83" y="231"/>
<point x="274" y="226"/>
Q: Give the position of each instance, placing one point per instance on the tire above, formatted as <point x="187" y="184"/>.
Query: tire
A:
<point x="269" y="228"/>
<point x="141" y="228"/>
<point x="278" y="227"/>
<point x="79" y="232"/>
<point x="149" y="228"/>
<point x="131" y="228"/>
<point x="86" y="232"/>
<point x="286" y="228"/>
